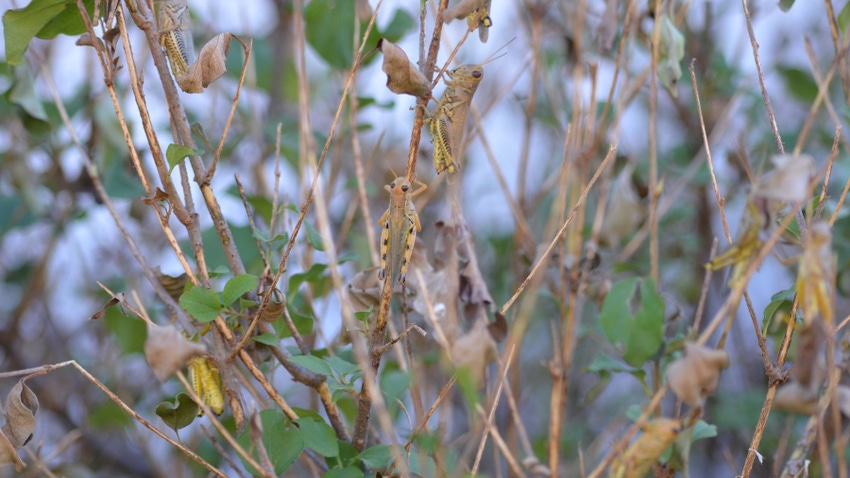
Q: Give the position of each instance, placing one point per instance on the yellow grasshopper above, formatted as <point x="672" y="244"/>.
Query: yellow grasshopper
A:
<point x="480" y="19"/>
<point x="400" y="224"/>
<point x="205" y="380"/>
<point x="176" y="36"/>
<point x="447" y="129"/>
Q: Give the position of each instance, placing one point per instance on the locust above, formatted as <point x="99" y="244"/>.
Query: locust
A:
<point x="400" y="224"/>
<point x="447" y="128"/>
<point x="449" y="119"/>
<point x="205" y="380"/>
<point x="480" y="19"/>
<point x="176" y="36"/>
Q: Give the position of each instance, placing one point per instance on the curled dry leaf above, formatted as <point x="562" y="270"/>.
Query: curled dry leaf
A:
<point x="275" y="307"/>
<point x="671" y="50"/>
<point x="638" y="459"/>
<point x="8" y="454"/>
<point x="473" y="290"/>
<point x="473" y="350"/>
<point x="789" y="179"/>
<point x="403" y="78"/>
<point x="210" y="66"/>
<point x="364" y="289"/>
<point x="810" y="364"/>
<point x="167" y="350"/>
<point x="607" y="29"/>
<point x="174" y="286"/>
<point x="795" y="398"/>
<point x="21" y="407"/>
<point x="695" y="376"/>
<point x="117" y="298"/>
<point x="816" y="276"/>
<point x="625" y="211"/>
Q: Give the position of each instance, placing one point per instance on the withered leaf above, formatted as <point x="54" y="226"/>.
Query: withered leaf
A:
<point x="789" y="179"/>
<point x="695" y="376"/>
<point x="167" y="350"/>
<point x="403" y="78"/>
<point x="211" y="65"/>
<point x="498" y="328"/>
<point x="795" y="398"/>
<point x="364" y="289"/>
<point x="21" y="407"/>
<point x="473" y="350"/>
<point x="174" y="285"/>
<point x="274" y="309"/>
<point x="159" y="195"/>
<point x="117" y="298"/>
<point x="810" y="364"/>
<point x="8" y="455"/>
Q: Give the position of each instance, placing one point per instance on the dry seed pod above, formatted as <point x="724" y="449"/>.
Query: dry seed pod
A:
<point x="638" y="459"/>
<point x="166" y="350"/>
<point x="403" y="78"/>
<point x="695" y="376"/>
<point x="274" y="309"/>
<point x="816" y="276"/>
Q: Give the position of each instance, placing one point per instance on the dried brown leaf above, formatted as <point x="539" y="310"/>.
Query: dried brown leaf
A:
<point x="167" y="350"/>
<point x="159" y="195"/>
<point x="274" y="309"/>
<point x="789" y="179"/>
<point x="795" y="398"/>
<point x="117" y="298"/>
<point x="8" y="455"/>
<point x="638" y="459"/>
<point x="364" y="289"/>
<point x="174" y="285"/>
<point x="21" y="407"/>
<point x="607" y="29"/>
<point x="403" y="78"/>
<point x="211" y="65"/>
<point x="810" y="364"/>
<point x="696" y="374"/>
<point x="498" y="328"/>
<point x="473" y="350"/>
<point x="473" y="290"/>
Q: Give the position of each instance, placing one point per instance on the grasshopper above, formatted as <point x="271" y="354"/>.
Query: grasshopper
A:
<point x="176" y="36"/>
<point x="205" y="380"/>
<point x="447" y="128"/>
<point x="480" y="19"/>
<point x="400" y="224"/>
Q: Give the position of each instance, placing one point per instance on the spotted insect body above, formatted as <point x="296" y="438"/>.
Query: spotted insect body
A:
<point x="176" y="36"/>
<point x="447" y="128"/>
<point x="400" y="224"/>
<point x="205" y="380"/>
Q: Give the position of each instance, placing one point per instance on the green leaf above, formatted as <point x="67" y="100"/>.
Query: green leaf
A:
<point x="648" y="329"/>
<point x="202" y="304"/>
<point x="314" y="274"/>
<point x="268" y="339"/>
<point x="393" y="384"/>
<point x="363" y="315"/>
<point x="704" y="430"/>
<point x="786" y="5"/>
<point x="318" y="436"/>
<point x="23" y="93"/>
<point x="342" y="367"/>
<point x="303" y="323"/>
<point x="313" y="237"/>
<point x="639" y="333"/>
<point x="605" y="363"/>
<point x="282" y="441"/>
<point x="844" y="18"/>
<point x="782" y="300"/>
<point x="376" y="456"/>
<point x="42" y="18"/>
<point x="130" y="333"/>
<point x="313" y="364"/>
<point x="330" y="31"/>
<point x="237" y="286"/>
<point x="177" y="153"/>
<point x="179" y="413"/>
<point x="615" y="315"/>
<point x="347" y="472"/>
<point x="799" y="83"/>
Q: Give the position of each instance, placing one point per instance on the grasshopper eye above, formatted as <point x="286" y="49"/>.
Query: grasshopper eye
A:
<point x="392" y="185"/>
<point x="405" y="187"/>
<point x="477" y="74"/>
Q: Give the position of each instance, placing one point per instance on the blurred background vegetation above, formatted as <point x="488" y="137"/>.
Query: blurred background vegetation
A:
<point x="573" y="95"/>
